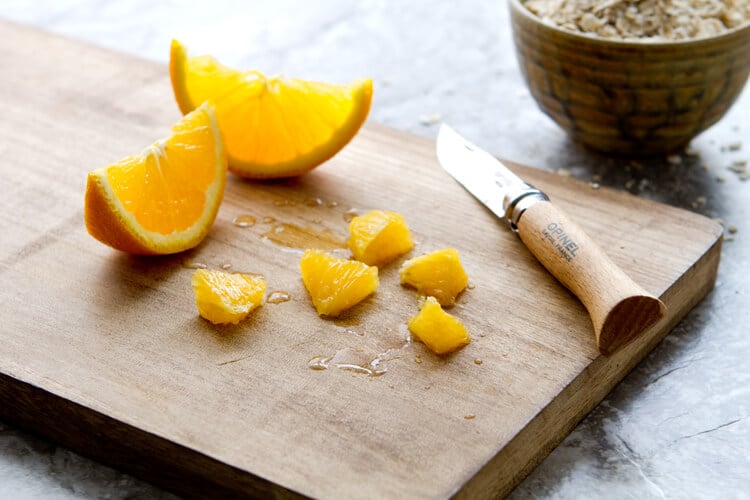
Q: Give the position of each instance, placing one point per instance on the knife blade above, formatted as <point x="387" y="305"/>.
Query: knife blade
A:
<point x="619" y="308"/>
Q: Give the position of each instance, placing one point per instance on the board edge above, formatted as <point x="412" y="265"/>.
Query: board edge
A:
<point x="106" y="440"/>
<point x="558" y="418"/>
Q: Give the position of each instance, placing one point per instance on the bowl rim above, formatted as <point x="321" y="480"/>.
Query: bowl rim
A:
<point x="518" y="6"/>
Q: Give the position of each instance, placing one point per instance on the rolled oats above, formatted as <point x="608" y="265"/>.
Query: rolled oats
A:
<point x="645" y="20"/>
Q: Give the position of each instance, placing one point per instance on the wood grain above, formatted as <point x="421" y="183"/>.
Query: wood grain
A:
<point x="106" y="353"/>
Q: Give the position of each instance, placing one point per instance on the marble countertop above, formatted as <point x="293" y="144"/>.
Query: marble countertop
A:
<point x="677" y="426"/>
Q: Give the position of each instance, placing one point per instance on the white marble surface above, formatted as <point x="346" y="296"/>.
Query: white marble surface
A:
<point x="676" y="427"/>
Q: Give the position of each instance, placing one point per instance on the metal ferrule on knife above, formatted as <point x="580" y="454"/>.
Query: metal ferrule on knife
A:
<point x="515" y="204"/>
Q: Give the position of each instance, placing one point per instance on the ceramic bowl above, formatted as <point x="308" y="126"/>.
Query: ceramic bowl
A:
<point x="630" y="98"/>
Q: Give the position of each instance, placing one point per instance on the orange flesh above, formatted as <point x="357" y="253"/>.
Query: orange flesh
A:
<point x="441" y="332"/>
<point x="223" y="297"/>
<point x="335" y="284"/>
<point x="439" y="274"/>
<point x="379" y="237"/>
<point x="158" y="190"/>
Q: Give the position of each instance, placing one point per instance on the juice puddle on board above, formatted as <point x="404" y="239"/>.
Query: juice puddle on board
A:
<point x="278" y="296"/>
<point x="194" y="265"/>
<point x="355" y="360"/>
<point x="244" y="221"/>
<point x="297" y="237"/>
<point x="360" y="361"/>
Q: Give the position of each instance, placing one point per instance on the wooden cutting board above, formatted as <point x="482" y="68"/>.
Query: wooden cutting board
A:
<point x="106" y="354"/>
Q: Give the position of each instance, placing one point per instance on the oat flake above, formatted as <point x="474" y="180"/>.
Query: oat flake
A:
<point x="644" y="20"/>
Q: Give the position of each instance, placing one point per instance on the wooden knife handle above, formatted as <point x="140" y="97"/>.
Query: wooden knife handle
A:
<point x="620" y="309"/>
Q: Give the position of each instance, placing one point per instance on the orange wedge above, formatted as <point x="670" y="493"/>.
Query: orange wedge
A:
<point x="165" y="199"/>
<point x="272" y="126"/>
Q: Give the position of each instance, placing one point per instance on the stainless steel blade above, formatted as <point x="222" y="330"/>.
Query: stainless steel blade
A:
<point x="483" y="175"/>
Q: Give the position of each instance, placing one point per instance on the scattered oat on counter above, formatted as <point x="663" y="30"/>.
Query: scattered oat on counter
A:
<point x="732" y="146"/>
<point x="738" y="166"/>
<point x="643" y="20"/>
<point x="430" y="119"/>
<point x="731" y="229"/>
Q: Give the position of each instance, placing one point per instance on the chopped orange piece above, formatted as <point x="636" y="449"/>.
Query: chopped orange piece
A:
<point x="379" y="237"/>
<point x="438" y="274"/>
<point x="441" y="332"/>
<point x="165" y="199"/>
<point x="334" y="284"/>
<point x="272" y="126"/>
<point x="224" y="297"/>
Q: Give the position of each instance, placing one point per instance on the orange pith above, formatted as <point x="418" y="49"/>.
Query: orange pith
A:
<point x="224" y="297"/>
<point x="336" y="285"/>
<point x="378" y="237"/>
<point x="272" y="126"/>
<point x="165" y="199"/>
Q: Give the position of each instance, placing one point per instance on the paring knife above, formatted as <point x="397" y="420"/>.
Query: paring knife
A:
<point x="620" y="309"/>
